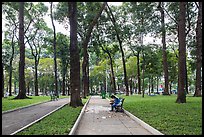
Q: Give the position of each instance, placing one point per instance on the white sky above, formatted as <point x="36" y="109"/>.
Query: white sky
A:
<point x="61" y="28"/>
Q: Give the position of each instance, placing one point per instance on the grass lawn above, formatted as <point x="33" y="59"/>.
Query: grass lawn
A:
<point x="58" y="123"/>
<point x="162" y="113"/>
<point x="9" y="103"/>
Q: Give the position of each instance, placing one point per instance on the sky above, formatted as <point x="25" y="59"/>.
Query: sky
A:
<point x="61" y="28"/>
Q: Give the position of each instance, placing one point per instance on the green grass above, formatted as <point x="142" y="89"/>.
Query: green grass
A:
<point x="58" y="123"/>
<point x="9" y="103"/>
<point x="162" y="113"/>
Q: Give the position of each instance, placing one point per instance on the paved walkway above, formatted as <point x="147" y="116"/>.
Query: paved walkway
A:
<point x="94" y="119"/>
<point x="97" y="120"/>
<point x="15" y="120"/>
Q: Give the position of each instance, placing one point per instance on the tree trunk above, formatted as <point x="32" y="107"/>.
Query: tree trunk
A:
<point x="170" y="85"/>
<point x="138" y="72"/>
<point x="152" y="84"/>
<point x="143" y="68"/>
<point x="88" y="92"/>
<point x="181" y="96"/>
<point x="10" y="64"/>
<point x="198" y="52"/>
<point x="22" y="87"/>
<point x="186" y="78"/>
<point x="63" y="85"/>
<point x="157" y="85"/>
<point x="121" y="48"/>
<point x="165" y="64"/>
<point x="55" y="56"/>
<point x="36" y="77"/>
<point x="149" y="84"/>
<point x="131" y="90"/>
<point x="36" y="58"/>
<point x="112" y="71"/>
<point x="2" y="65"/>
<point x="85" y="56"/>
<point x="74" y="58"/>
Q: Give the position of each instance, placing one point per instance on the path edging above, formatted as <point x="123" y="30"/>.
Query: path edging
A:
<point x="38" y="119"/>
<point x="142" y="123"/>
<point x="73" y="130"/>
<point x="38" y="103"/>
<point x="11" y="110"/>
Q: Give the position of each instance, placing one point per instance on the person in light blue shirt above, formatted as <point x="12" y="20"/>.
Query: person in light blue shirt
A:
<point x="116" y="101"/>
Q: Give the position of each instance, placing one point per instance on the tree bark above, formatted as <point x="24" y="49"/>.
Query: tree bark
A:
<point x="138" y="72"/>
<point x="63" y="85"/>
<point x="74" y="58"/>
<point x="10" y="64"/>
<point x="36" y="77"/>
<point x="112" y="71"/>
<point x="181" y="96"/>
<point x="121" y="48"/>
<point x="22" y="87"/>
<point x="2" y="65"/>
<point x="131" y="90"/>
<point x="143" y="69"/>
<point x="36" y="58"/>
<point x="85" y="45"/>
<point x="198" y="52"/>
<point x="165" y="64"/>
<point x="55" y="56"/>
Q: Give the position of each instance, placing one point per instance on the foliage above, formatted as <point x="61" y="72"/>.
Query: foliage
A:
<point x="135" y="21"/>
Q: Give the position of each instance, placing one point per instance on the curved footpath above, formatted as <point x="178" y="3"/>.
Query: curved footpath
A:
<point x="17" y="120"/>
<point x="95" y="119"/>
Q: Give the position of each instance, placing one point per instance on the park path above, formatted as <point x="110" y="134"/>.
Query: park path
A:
<point x="14" y="121"/>
<point x="98" y="120"/>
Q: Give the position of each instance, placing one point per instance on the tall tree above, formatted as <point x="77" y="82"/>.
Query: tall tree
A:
<point x="108" y="51"/>
<point x="54" y="45"/>
<point x="2" y="67"/>
<point x="22" y="88"/>
<point x="181" y="96"/>
<point x="85" y="45"/>
<point x="137" y="54"/>
<point x="198" y="51"/>
<point x="36" y="35"/>
<point x="63" y="47"/>
<point x="74" y="58"/>
<point x="112" y="18"/>
<point x="165" y="64"/>
<point x="11" y="60"/>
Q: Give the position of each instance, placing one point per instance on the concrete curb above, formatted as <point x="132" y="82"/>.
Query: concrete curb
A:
<point x="4" y="112"/>
<point x="38" y="119"/>
<point x="142" y="123"/>
<point x="73" y="130"/>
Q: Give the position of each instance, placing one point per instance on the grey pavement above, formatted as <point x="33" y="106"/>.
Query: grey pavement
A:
<point x="98" y="120"/>
<point x="14" y="121"/>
